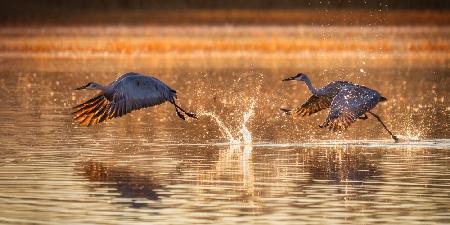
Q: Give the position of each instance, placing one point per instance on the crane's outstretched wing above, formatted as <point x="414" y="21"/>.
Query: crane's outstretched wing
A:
<point x="348" y="105"/>
<point x="123" y="96"/>
<point x="313" y="104"/>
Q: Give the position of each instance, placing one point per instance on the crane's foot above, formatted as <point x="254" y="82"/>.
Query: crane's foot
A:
<point x="286" y="111"/>
<point x="181" y="115"/>
<point x="192" y="115"/>
<point x="395" y="138"/>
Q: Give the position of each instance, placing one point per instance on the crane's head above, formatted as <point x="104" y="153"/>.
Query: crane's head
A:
<point x="89" y="86"/>
<point x="299" y="77"/>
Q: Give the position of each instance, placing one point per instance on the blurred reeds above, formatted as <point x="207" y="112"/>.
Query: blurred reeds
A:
<point x="313" y="17"/>
<point x="264" y="39"/>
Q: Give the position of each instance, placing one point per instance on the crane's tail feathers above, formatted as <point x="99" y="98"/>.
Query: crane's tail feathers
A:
<point x="286" y="111"/>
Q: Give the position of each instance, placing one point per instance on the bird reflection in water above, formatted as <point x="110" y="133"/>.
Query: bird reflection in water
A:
<point x="240" y="173"/>
<point x="130" y="184"/>
<point x="341" y="165"/>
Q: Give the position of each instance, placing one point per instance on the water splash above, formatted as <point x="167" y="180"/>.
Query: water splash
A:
<point x="246" y="136"/>
<point x="223" y="129"/>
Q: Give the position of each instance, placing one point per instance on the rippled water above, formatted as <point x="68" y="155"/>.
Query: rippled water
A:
<point x="152" y="167"/>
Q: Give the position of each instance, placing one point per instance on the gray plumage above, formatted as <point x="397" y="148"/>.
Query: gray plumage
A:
<point x="322" y="98"/>
<point x="129" y="92"/>
<point x="347" y="102"/>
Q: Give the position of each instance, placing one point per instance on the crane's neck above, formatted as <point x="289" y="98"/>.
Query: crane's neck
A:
<point x="311" y="88"/>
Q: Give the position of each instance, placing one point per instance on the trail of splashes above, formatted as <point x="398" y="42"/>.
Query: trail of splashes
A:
<point x="223" y="129"/>
<point x="246" y="134"/>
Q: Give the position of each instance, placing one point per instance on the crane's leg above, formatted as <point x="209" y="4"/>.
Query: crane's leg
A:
<point x="379" y="119"/>
<point x="179" y="114"/>
<point x="182" y="110"/>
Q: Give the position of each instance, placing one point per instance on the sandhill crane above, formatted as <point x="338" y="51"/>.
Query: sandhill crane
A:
<point x="347" y="102"/>
<point x="129" y="92"/>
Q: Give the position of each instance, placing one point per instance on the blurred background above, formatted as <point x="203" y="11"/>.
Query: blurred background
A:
<point x="308" y="12"/>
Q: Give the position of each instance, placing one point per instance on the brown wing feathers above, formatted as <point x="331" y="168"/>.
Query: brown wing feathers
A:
<point x="99" y="109"/>
<point x="93" y="111"/>
<point x="312" y="105"/>
<point x="341" y="122"/>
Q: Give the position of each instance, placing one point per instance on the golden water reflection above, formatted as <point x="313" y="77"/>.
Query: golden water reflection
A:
<point x="152" y="167"/>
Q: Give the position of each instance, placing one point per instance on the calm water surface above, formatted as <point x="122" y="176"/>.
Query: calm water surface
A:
<point x="152" y="167"/>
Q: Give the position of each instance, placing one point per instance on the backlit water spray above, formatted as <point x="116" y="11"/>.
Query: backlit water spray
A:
<point x="243" y="136"/>
<point x="246" y="135"/>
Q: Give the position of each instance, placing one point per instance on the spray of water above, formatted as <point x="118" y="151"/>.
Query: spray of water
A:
<point x="246" y="136"/>
<point x="223" y="129"/>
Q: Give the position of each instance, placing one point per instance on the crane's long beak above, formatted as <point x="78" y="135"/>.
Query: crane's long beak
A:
<point x="81" y="88"/>
<point x="289" y="78"/>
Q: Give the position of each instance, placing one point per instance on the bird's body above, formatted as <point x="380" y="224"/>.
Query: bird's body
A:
<point x="333" y="88"/>
<point x="347" y="102"/>
<point x="321" y="98"/>
<point x="129" y="92"/>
